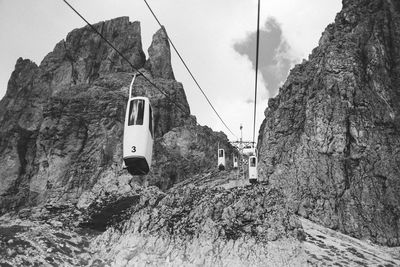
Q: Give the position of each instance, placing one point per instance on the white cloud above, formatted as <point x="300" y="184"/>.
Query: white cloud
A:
<point x="274" y="54"/>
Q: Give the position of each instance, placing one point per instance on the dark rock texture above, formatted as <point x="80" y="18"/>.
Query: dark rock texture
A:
<point x="34" y="243"/>
<point x="331" y="138"/>
<point x="61" y="123"/>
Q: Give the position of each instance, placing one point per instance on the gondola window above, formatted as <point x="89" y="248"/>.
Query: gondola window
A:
<point x="136" y="112"/>
<point x="252" y="162"/>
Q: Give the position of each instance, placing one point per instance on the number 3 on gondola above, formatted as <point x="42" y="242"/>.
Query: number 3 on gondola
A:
<point x="133" y="149"/>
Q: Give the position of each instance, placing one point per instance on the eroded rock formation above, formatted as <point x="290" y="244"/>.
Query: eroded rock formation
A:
<point x="208" y="225"/>
<point x="331" y="138"/>
<point x="159" y="61"/>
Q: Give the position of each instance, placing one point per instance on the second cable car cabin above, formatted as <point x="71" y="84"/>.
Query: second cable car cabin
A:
<point x="253" y="175"/>
<point x="235" y="162"/>
<point x="221" y="159"/>
<point x="138" y="134"/>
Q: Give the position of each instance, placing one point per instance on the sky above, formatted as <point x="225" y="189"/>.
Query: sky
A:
<point x="217" y="39"/>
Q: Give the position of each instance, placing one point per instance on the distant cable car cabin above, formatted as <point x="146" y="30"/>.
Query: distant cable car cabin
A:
<point x="253" y="176"/>
<point x="221" y="159"/>
<point x="249" y="151"/>
<point x="138" y="134"/>
<point x="235" y="162"/>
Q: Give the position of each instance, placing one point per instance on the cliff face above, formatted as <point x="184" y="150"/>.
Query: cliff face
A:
<point x="61" y="123"/>
<point x="331" y="138"/>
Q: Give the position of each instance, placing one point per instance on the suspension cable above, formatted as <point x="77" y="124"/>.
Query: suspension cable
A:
<point x="127" y="60"/>
<point x="187" y="68"/>
<point x="256" y="78"/>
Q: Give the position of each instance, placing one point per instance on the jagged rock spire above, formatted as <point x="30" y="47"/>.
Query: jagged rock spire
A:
<point x="159" y="62"/>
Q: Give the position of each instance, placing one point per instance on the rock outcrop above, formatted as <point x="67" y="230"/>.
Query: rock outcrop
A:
<point x="61" y="123"/>
<point x="186" y="151"/>
<point x="331" y="138"/>
<point x="207" y="225"/>
<point x="159" y="62"/>
<point x="197" y="223"/>
<point x="201" y="220"/>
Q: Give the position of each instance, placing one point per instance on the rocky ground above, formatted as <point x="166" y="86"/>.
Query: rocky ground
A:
<point x="40" y="243"/>
<point x="213" y="220"/>
<point x="326" y="247"/>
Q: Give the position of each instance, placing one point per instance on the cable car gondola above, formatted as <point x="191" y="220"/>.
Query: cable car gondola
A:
<point x="221" y="159"/>
<point x="253" y="176"/>
<point x="138" y="134"/>
<point x="235" y="162"/>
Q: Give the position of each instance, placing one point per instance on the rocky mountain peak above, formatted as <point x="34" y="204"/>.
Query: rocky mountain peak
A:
<point x="159" y="62"/>
<point x="61" y="123"/>
<point x="83" y="56"/>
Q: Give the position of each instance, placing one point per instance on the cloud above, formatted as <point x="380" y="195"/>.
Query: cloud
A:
<point x="275" y="59"/>
<point x="249" y="101"/>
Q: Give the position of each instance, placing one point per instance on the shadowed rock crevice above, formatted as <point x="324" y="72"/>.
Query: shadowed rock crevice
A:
<point x="113" y="213"/>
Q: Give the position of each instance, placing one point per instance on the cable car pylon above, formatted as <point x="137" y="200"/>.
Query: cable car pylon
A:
<point x="247" y="161"/>
<point x="248" y="148"/>
<point x="253" y="160"/>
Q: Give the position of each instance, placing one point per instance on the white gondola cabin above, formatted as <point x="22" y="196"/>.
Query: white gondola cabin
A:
<point x="138" y="134"/>
<point x="253" y="176"/>
<point x="221" y="159"/>
<point x="235" y="162"/>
